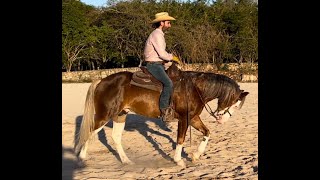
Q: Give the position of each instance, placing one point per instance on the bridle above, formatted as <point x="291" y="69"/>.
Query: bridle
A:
<point x="206" y="105"/>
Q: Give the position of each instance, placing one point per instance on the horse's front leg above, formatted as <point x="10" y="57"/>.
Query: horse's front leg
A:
<point x="182" y="129"/>
<point x="198" y="124"/>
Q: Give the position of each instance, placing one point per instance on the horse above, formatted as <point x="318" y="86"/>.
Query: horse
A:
<point x="112" y="97"/>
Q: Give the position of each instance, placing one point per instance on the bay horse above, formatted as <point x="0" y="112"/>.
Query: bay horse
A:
<point x="111" y="97"/>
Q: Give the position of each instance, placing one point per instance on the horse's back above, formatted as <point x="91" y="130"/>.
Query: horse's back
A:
<point x="114" y="80"/>
<point x="123" y="76"/>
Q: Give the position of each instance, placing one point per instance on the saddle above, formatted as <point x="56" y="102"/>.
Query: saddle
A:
<point x="145" y="79"/>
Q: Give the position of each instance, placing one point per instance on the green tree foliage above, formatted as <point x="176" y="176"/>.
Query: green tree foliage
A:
<point x="129" y="20"/>
<point x="205" y="32"/>
<point x="100" y="49"/>
<point x="75" y="34"/>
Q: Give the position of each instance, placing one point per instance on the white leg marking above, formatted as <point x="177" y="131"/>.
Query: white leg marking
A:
<point x="201" y="148"/>
<point x="83" y="152"/>
<point x="116" y="136"/>
<point x="177" y="155"/>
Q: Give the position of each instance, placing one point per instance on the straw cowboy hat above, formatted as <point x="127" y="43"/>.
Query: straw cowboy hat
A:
<point x="162" y="16"/>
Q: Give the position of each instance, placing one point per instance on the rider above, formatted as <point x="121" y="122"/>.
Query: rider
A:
<point x="155" y="57"/>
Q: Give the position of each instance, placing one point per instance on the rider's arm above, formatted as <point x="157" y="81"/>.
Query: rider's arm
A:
<point x="159" y="45"/>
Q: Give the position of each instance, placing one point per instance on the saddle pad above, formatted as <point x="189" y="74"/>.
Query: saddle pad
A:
<point x="147" y="86"/>
<point x="141" y="79"/>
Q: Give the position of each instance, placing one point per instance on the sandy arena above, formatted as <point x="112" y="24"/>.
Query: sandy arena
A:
<point x="231" y="153"/>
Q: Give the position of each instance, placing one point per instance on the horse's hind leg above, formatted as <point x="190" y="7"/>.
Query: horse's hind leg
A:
<point x="198" y="124"/>
<point x="118" y="126"/>
<point x="99" y="124"/>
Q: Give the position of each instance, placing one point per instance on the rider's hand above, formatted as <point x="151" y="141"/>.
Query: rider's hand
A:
<point x="176" y="59"/>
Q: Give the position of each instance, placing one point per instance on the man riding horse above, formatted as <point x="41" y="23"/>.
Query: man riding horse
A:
<point x="157" y="61"/>
<point x="111" y="97"/>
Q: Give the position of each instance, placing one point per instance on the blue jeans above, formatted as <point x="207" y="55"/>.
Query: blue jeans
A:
<point x="158" y="71"/>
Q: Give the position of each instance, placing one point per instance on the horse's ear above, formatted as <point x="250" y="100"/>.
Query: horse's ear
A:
<point x="243" y="94"/>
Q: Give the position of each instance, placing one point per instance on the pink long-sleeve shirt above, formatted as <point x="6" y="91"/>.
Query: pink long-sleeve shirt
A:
<point x="155" y="48"/>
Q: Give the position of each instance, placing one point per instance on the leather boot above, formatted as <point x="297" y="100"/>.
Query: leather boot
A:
<point x="167" y="115"/>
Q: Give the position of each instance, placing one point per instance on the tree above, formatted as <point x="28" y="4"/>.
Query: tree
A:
<point x="114" y="36"/>
<point x="75" y="35"/>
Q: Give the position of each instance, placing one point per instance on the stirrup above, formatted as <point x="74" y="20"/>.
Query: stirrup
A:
<point x="167" y="115"/>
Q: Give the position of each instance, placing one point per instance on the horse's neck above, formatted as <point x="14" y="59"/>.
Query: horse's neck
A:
<point x="209" y="86"/>
<point x="205" y="86"/>
<point x="174" y="73"/>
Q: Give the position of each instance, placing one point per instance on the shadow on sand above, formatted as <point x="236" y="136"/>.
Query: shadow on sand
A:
<point x="135" y="122"/>
<point x="68" y="164"/>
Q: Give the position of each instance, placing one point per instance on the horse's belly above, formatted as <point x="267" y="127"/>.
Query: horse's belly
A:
<point x="142" y="101"/>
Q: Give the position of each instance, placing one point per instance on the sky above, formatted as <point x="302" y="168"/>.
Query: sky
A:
<point x="95" y="3"/>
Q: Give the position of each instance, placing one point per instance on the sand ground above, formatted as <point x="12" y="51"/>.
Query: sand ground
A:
<point x="231" y="153"/>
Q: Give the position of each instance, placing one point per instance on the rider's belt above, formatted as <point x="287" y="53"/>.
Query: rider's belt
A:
<point x="155" y="62"/>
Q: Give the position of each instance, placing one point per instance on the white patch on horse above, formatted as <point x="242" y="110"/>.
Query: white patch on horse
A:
<point x="116" y="136"/>
<point x="83" y="152"/>
<point x="201" y="148"/>
<point x="225" y="117"/>
<point x="177" y="155"/>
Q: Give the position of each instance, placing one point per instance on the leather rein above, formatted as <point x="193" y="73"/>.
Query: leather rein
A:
<point x="206" y="105"/>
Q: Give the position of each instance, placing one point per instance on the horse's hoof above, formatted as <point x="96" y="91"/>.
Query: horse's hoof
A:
<point x="80" y="163"/>
<point x="181" y="163"/>
<point x="194" y="157"/>
<point x="128" y="162"/>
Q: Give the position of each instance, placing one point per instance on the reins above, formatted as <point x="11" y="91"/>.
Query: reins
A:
<point x="206" y="104"/>
<point x="188" y="116"/>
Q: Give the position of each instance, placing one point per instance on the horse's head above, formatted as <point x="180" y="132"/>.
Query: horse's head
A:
<point x="210" y="86"/>
<point x="226" y="108"/>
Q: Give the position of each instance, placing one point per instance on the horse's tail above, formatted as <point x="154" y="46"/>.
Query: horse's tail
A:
<point x="87" y="123"/>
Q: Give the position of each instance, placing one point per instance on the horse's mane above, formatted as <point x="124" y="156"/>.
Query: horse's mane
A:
<point x="214" y="86"/>
<point x="210" y="85"/>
